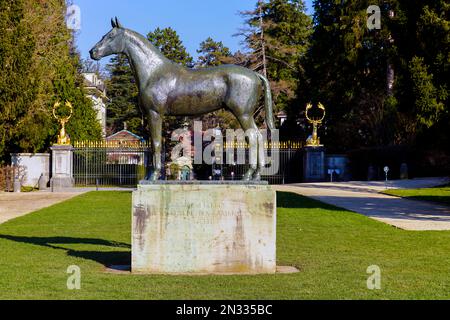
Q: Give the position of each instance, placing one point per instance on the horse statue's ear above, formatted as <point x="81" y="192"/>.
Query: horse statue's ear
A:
<point x="118" y="24"/>
<point x="113" y="23"/>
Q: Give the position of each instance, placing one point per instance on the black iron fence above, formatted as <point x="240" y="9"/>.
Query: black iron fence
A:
<point x="125" y="164"/>
<point x="283" y="163"/>
<point x="110" y="163"/>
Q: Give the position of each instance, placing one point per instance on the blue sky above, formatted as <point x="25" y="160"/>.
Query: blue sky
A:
<point x="194" y="20"/>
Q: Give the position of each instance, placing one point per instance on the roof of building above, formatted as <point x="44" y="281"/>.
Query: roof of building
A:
<point x="124" y="135"/>
<point x="282" y="114"/>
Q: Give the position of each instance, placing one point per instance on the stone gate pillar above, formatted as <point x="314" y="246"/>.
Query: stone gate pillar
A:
<point x="313" y="164"/>
<point x="62" y="167"/>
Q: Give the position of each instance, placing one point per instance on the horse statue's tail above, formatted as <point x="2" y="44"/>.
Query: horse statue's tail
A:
<point x="268" y="103"/>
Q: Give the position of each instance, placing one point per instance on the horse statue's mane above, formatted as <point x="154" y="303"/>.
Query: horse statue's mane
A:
<point x="149" y="45"/>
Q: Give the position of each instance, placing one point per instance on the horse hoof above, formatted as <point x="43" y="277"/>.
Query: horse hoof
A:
<point x="155" y="177"/>
<point x="248" y="175"/>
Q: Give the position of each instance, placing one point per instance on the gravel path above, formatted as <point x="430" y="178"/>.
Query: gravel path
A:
<point x="364" y="198"/>
<point x="14" y="205"/>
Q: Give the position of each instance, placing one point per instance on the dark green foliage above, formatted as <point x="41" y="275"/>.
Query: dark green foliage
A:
<point x="425" y="94"/>
<point x="423" y="29"/>
<point x="39" y="67"/>
<point x="168" y="41"/>
<point x="347" y="72"/>
<point x="123" y="94"/>
<point x="16" y="89"/>
<point x="212" y="53"/>
<point x="350" y="71"/>
<point x="68" y="86"/>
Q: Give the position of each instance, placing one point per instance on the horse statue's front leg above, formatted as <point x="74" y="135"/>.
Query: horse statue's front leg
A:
<point x="156" y="137"/>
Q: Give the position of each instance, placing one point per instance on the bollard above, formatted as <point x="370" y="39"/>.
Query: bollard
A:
<point x="17" y="186"/>
<point x="42" y="183"/>
<point x="386" y="171"/>
<point x="404" y="171"/>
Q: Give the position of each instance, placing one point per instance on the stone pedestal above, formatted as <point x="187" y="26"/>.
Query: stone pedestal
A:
<point x="208" y="228"/>
<point x="62" y="168"/>
<point x="314" y="164"/>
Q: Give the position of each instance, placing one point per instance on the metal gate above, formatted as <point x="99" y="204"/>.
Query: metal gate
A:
<point x="125" y="164"/>
<point x="288" y="170"/>
<point x="106" y="163"/>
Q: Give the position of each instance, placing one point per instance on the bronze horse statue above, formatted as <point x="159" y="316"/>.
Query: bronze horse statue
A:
<point x="166" y="88"/>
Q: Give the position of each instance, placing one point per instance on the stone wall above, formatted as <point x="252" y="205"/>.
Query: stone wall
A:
<point x="34" y="165"/>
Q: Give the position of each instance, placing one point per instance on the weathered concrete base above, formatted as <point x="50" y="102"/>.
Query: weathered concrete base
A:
<point x="62" y="168"/>
<point x="61" y="183"/>
<point x="126" y="270"/>
<point x="204" y="229"/>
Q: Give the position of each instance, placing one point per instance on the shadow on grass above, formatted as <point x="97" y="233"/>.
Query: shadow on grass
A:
<point x="104" y="257"/>
<point x="291" y="200"/>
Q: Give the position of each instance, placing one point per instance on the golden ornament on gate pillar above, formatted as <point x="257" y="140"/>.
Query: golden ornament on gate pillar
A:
<point x="314" y="140"/>
<point x="63" y="138"/>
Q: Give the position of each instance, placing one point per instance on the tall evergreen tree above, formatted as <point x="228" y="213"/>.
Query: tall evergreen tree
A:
<point x="69" y="86"/>
<point x="212" y="53"/>
<point x="348" y="73"/>
<point x="123" y="94"/>
<point x="422" y="45"/>
<point x="57" y="56"/>
<point x="16" y="93"/>
<point x="168" y="41"/>
<point x="384" y="86"/>
<point x="277" y="36"/>
<point x="40" y="67"/>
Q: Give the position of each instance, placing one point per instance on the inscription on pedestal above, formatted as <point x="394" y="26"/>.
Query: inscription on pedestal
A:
<point x="204" y="229"/>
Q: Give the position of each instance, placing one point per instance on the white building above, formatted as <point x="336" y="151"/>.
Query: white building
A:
<point x="96" y="90"/>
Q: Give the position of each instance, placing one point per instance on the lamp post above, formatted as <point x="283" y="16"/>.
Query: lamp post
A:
<point x="386" y="171"/>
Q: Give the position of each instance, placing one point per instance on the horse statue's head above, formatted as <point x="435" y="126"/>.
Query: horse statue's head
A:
<point x="111" y="43"/>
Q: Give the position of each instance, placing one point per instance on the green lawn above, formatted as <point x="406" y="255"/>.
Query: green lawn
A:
<point x="439" y="194"/>
<point x="332" y="247"/>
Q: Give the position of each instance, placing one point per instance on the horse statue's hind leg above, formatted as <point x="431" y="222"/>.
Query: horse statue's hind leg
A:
<point x="156" y="138"/>
<point x="256" y="142"/>
<point x="242" y="102"/>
